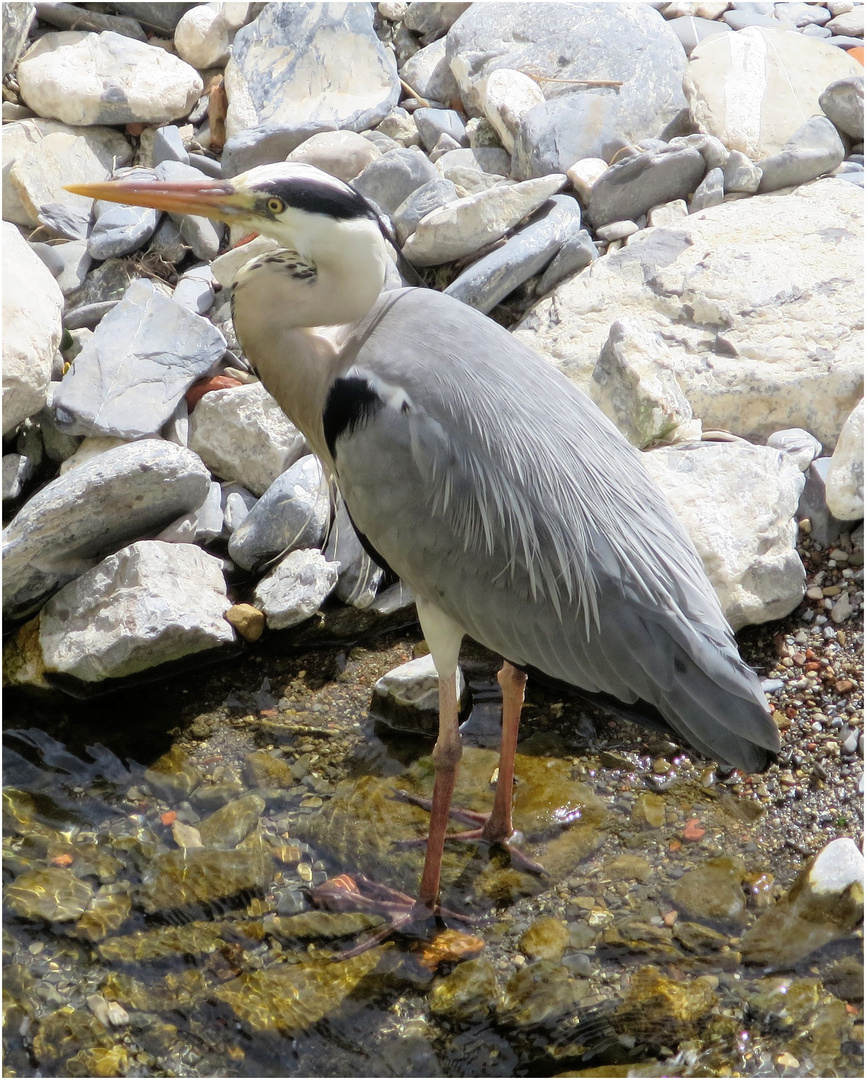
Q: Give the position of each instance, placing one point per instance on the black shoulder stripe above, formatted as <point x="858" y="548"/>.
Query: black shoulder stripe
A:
<point x="351" y="402"/>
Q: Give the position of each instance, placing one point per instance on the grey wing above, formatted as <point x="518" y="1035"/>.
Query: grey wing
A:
<point x="503" y="496"/>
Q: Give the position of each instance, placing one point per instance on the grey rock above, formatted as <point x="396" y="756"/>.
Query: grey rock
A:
<point x="739" y="19"/>
<point x="413" y="686"/>
<point x="444" y="145"/>
<point x="202" y="236"/>
<point x="73" y="17"/>
<point x="741" y="174"/>
<point x="429" y="73"/>
<point x="803" y="15"/>
<point x="69" y="222"/>
<point x="88" y="316"/>
<point x="842" y="102"/>
<point x="628" y="43"/>
<point x="400" y="126"/>
<point x="119" y="230"/>
<point x="435" y="122"/>
<point x="156" y="16"/>
<point x="68" y="263"/>
<point x="555" y="134"/>
<point x="631" y="187"/>
<point x="141" y="360"/>
<point x="575" y="254"/>
<point x="198" y="526"/>
<point x="691" y="30"/>
<point x="713" y="150"/>
<point x="523" y="255"/>
<point x="168" y="243"/>
<point x="16" y="26"/>
<point x="814" y="30"/>
<point x="209" y="166"/>
<point x="296" y="588"/>
<point x="391" y="179"/>
<point x="351" y="86"/>
<point x="293" y="513"/>
<point x="20" y="467"/>
<point x="149" y="604"/>
<point x="267" y="143"/>
<point x="842" y="41"/>
<point x="815" y="148"/>
<point x="236" y="503"/>
<point x="360" y="577"/>
<point x="710" y="191"/>
<point x="242" y="435"/>
<point x="433" y="17"/>
<point x="849" y="23"/>
<point x="168" y="145"/>
<point x="797" y="442"/>
<point x="422" y="201"/>
<point x="844" y="482"/>
<point x="825" y="527"/>
<point x="85" y="514"/>
<point x="195" y="290"/>
<point x="483" y="159"/>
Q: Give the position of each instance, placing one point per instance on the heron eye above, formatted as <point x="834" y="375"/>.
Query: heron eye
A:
<point x="276" y="206"/>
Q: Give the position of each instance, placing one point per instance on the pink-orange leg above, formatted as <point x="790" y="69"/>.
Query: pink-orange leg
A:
<point x="495" y="827"/>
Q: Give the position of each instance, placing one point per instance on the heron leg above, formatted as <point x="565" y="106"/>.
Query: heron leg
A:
<point x="446" y="759"/>
<point x="498" y="827"/>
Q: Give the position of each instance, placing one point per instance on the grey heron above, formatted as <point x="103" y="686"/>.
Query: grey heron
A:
<point x="482" y="476"/>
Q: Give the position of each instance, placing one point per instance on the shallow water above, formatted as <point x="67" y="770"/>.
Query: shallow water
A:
<point x="146" y="937"/>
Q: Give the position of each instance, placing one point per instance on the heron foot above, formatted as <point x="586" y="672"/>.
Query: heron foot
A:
<point x="481" y="832"/>
<point x="360" y="893"/>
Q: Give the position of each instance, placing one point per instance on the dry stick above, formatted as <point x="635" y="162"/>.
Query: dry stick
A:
<point x="414" y="93"/>
<point x="573" y="82"/>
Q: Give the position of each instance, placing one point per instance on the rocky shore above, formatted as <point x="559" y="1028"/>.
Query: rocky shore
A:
<point x="665" y="201"/>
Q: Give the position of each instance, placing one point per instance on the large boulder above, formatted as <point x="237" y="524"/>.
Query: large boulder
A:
<point x="758" y="301"/>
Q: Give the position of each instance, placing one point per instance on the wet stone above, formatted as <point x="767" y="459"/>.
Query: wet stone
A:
<point x="176" y="879"/>
<point x="264" y="770"/>
<point x="628" y="868"/>
<point x="540" y="993"/>
<point x="63" y="1033"/>
<point x="642" y="939"/>
<point x="229" y="825"/>
<point x="698" y="938"/>
<point x="662" y="1011"/>
<point x="546" y="939"/>
<point x="289" y="998"/>
<point x="361" y="825"/>
<point x="191" y="939"/>
<point x="322" y="924"/>
<point x="173" y="777"/>
<point x="468" y="994"/>
<point x="713" y="891"/>
<point x="107" y="912"/>
<point x="54" y="893"/>
<point x="99" y="1061"/>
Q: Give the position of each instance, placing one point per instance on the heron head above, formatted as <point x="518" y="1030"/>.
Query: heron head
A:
<point x="298" y="205"/>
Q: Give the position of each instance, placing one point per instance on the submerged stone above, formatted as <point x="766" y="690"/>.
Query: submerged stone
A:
<point x="53" y="893"/>
<point x="468" y="993"/>
<point x="228" y="826"/>
<point x="662" y="1011"/>
<point x="191" y="939"/>
<point x="201" y="875"/>
<point x="713" y="891"/>
<point x="322" y="924"/>
<point x="288" y="998"/>
<point x="540" y="993"/>
<point x="108" y="911"/>
<point x="545" y="939"/>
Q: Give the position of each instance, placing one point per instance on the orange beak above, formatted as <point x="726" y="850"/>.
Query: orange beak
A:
<point x="215" y="199"/>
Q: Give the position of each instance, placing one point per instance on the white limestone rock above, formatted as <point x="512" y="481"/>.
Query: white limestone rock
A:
<point x="242" y="434"/>
<point x="845" y="478"/>
<point x="106" y="78"/>
<point x="797" y="443"/>
<point x="296" y="588"/>
<point x="202" y="37"/>
<point x="634" y="385"/>
<point x="462" y="227"/>
<point x="415" y="685"/>
<point x="753" y="89"/>
<point x="122" y="494"/>
<point x="306" y="64"/>
<point x="506" y="97"/>
<point x="32" y="309"/>
<point x="41" y="176"/>
<point x="759" y="301"/>
<point x="583" y="175"/>
<point x="429" y="73"/>
<point x="149" y="604"/>
<point x="737" y="503"/>
<point x="344" y="154"/>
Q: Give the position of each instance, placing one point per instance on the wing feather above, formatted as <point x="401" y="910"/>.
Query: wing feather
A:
<point x="501" y="494"/>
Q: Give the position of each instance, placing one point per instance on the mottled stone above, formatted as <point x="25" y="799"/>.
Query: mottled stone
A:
<point x="344" y="154"/>
<point x="173" y="777"/>
<point x="176" y="879"/>
<point x="296" y="588"/>
<point x="229" y="825"/>
<point x="468" y="994"/>
<point x="54" y="894"/>
<point x="545" y="939"/>
<point x="713" y="890"/>
<point x="634" y="185"/>
<point x="334" y="71"/>
<point x="844" y="484"/>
